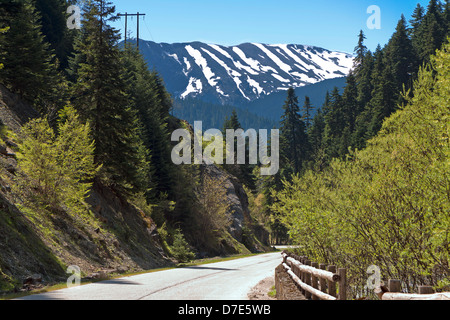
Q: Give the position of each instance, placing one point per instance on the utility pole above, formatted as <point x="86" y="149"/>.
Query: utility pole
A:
<point x="126" y="26"/>
<point x="126" y="15"/>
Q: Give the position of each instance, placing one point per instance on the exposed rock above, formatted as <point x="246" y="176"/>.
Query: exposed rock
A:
<point x="3" y="150"/>
<point x="122" y="269"/>
<point x="236" y="197"/>
<point x="34" y="279"/>
<point x="11" y="144"/>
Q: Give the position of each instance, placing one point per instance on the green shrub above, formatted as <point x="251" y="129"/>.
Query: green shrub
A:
<point x="180" y="248"/>
<point x="56" y="170"/>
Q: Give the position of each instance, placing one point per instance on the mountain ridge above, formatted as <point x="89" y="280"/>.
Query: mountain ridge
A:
<point x="242" y="73"/>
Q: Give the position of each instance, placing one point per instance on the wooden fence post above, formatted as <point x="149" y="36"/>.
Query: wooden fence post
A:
<point x="342" y="284"/>
<point x="331" y="284"/>
<point x="308" y="280"/>
<point x="426" y="290"/>
<point x="322" y="281"/>
<point x="296" y="270"/>
<point x="394" y="285"/>
<point x="302" y="274"/>
<point x="314" y="280"/>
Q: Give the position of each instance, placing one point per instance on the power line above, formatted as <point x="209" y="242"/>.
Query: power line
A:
<point x="148" y="29"/>
<point x="126" y="15"/>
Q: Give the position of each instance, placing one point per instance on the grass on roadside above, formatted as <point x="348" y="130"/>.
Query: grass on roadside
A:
<point x="272" y="293"/>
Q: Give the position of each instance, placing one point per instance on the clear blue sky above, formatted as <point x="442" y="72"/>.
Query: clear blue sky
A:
<point x="330" y="24"/>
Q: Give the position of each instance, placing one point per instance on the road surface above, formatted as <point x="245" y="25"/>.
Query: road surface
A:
<point x="228" y="280"/>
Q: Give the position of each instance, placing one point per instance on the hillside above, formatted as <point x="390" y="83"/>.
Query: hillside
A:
<point x="114" y="236"/>
<point x="263" y="113"/>
<point x="271" y="106"/>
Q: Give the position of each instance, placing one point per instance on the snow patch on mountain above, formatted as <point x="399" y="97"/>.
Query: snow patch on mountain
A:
<point x="283" y="66"/>
<point x="280" y="78"/>
<point x="255" y="85"/>
<point x="220" y="50"/>
<point x="195" y="86"/>
<point x="203" y="64"/>
<point x="174" y="56"/>
<point x="255" y="66"/>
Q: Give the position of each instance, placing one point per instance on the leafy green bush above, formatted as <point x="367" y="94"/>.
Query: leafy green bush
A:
<point x="56" y="170"/>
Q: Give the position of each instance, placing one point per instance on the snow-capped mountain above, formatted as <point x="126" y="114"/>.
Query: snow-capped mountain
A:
<point x="242" y="73"/>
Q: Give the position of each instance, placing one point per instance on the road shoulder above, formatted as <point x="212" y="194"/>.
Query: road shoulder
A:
<point x="261" y="290"/>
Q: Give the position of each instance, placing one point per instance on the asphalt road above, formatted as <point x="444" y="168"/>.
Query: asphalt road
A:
<point x="228" y="280"/>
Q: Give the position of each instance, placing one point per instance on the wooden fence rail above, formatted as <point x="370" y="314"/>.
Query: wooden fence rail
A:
<point x="393" y="292"/>
<point x="316" y="281"/>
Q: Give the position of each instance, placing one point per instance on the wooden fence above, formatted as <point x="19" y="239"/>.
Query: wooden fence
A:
<point x="322" y="282"/>
<point x="393" y="292"/>
<point x="316" y="281"/>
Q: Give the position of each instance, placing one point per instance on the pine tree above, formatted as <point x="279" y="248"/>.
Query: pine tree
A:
<point x="232" y="122"/>
<point x="335" y="123"/>
<point x="100" y="97"/>
<point x="315" y="137"/>
<point x="364" y="81"/>
<point x="30" y="68"/>
<point x="360" y="52"/>
<point x="307" y="112"/>
<point x="431" y="32"/>
<point x="165" y="100"/>
<point x="384" y="100"/>
<point x="244" y="172"/>
<point x="415" y="33"/>
<point x="180" y="248"/>
<point x="53" y="20"/>
<point x="400" y="57"/>
<point x="350" y="103"/>
<point x="143" y="90"/>
<point x="351" y="111"/>
<point x="416" y="18"/>
<point x="365" y="87"/>
<point x="326" y="104"/>
<point x="362" y="131"/>
<point x="293" y="138"/>
<point x="446" y="16"/>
